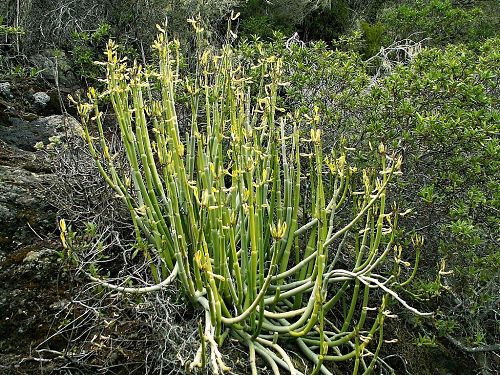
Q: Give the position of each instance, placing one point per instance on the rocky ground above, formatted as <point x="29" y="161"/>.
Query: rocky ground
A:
<point x="49" y="322"/>
<point x="33" y="284"/>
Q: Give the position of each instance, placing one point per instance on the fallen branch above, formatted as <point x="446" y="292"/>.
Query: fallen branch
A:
<point x="135" y="290"/>
<point x="472" y="349"/>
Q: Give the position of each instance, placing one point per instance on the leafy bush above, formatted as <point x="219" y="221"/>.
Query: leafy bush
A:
<point x="443" y="110"/>
<point x="262" y="19"/>
<point x="313" y="20"/>
<point x="439" y="20"/>
<point x="9" y="30"/>
<point x="87" y="48"/>
<point x="373" y="36"/>
<point x="328" y="22"/>
<point x="10" y="36"/>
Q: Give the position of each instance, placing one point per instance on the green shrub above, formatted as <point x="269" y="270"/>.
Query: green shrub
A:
<point x="86" y="50"/>
<point x="443" y="111"/>
<point x="262" y="19"/>
<point x="10" y="36"/>
<point x="439" y="20"/>
<point x="9" y="30"/>
<point x="328" y="23"/>
<point x="373" y="36"/>
<point x="313" y="20"/>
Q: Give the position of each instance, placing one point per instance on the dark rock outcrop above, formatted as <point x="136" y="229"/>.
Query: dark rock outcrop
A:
<point x="24" y="211"/>
<point x="31" y="276"/>
<point x="25" y="135"/>
<point x="55" y="68"/>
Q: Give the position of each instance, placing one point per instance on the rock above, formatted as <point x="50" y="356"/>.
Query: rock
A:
<point x="5" y="90"/>
<point x="25" y="135"/>
<point x="47" y="62"/>
<point x="32" y="256"/>
<point x="25" y="175"/>
<point x="38" y="255"/>
<point x="23" y="210"/>
<point x="30" y="268"/>
<point x="41" y="99"/>
<point x="59" y="305"/>
<point x="28" y="290"/>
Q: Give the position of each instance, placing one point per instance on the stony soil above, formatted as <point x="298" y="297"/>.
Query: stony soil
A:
<point x="33" y="286"/>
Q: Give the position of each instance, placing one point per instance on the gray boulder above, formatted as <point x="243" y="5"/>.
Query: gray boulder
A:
<point x="25" y="176"/>
<point x="48" y="61"/>
<point x="5" y="90"/>
<point x="41" y="99"/>
<point x="23" y="210"/>
<point x="25" y="135"/>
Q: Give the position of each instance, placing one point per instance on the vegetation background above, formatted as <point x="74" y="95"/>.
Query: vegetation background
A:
<point x="420" y="76"/>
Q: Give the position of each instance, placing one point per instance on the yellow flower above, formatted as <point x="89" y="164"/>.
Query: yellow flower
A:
<point x="62" y="227"/>
<point x="316" y="135"/>
<point x="278" y="231"/>
<point x="382" y="149"/>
